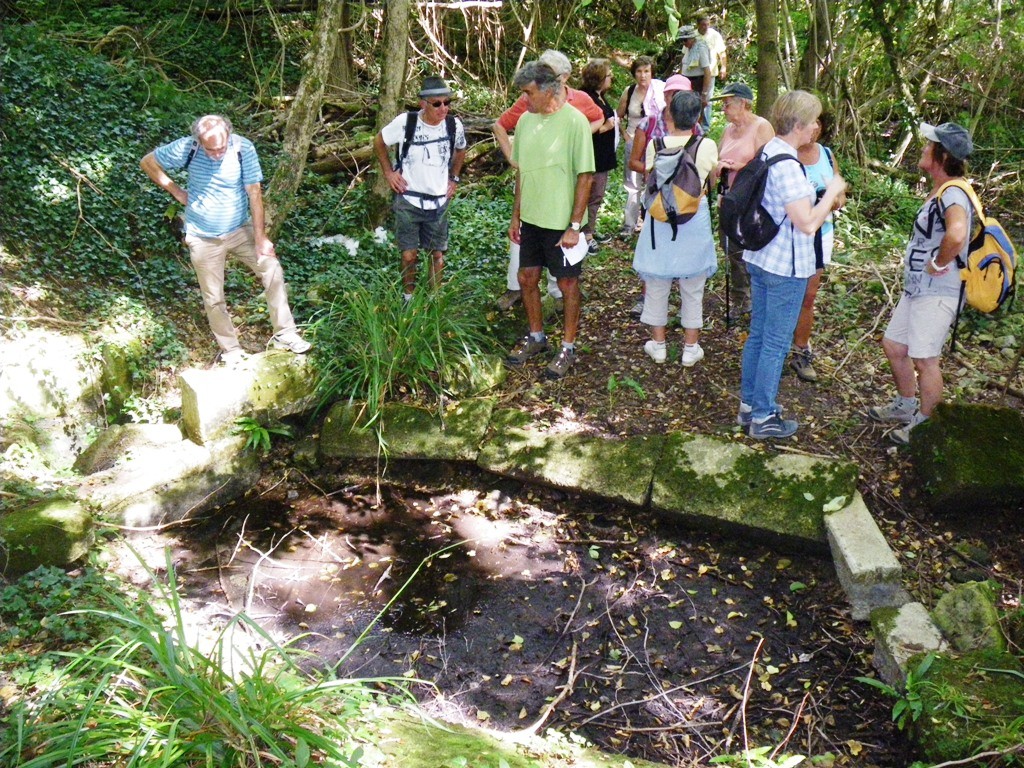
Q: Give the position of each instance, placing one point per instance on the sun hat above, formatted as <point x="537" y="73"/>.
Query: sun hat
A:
<point x="689" y="32"/>
<point x="738" y="90"/>
<point x="434" y="86"/>
<point x="678" y="83"/>
<point x="955" y="138"/>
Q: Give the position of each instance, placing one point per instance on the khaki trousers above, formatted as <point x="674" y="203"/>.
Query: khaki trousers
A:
<point x="209" y="255"/>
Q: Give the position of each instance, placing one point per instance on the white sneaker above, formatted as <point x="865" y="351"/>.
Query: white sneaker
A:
<point x="656" y="351"/>
<point x="292" y="342"/>
<point x="692" y="355"/>
<point x="233" y="357"/>
<point x="895" y="411"/>
<point x="901" y="436"/>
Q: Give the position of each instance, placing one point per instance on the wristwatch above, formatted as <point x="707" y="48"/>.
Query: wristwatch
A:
<point x="456" y="179"/>
<point x="575" y="226"/>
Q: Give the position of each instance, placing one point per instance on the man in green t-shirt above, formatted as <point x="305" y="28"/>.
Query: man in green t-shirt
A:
<point x="554" y="155"/>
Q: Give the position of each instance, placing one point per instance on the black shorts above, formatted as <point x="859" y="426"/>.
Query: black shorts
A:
<point x="538" y="247"/>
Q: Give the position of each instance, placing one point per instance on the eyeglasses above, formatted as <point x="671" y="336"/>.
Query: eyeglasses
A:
<point x="439" y="104"/>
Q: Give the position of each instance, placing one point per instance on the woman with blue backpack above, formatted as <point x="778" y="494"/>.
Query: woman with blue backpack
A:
<point x="676" y="242"/>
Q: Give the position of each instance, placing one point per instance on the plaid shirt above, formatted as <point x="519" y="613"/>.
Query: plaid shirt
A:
<point x="791" y="253"/>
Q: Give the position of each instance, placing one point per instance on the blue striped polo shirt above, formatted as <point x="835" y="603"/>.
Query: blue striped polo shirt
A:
<point x="217" y="201"/>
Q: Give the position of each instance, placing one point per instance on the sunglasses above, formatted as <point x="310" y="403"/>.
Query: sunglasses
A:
<point x="439" y="104"/>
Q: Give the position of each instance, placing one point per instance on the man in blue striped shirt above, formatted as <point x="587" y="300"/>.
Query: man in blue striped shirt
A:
<point x="224" y="217"/>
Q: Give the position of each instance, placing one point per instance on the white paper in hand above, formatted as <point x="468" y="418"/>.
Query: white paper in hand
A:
<point x="575" y="254"/>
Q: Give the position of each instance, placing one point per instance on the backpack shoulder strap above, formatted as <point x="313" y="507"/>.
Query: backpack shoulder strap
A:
<point x="191" y="154"/>
<point x="410" y="128"/>
<point x="828" y="155"/>
<point x="449" y="125"/>
<point x="968" y="190"/>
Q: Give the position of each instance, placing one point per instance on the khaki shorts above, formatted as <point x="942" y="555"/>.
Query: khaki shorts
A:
<point x="922" y="324"/>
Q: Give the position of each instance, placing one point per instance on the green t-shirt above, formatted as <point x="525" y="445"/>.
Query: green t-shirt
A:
<point x="551" y="151"/>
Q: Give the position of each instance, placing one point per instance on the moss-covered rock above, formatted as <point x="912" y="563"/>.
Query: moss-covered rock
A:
<point x="56" y="532"/>
<point x="520" y="447"/>
<point x="725" y="485"/>
<point x="119" y="360"/>
<point x="454" y="434"/>
<point x="968" y="617"/>
<point x="970" y="704"/>
<point x="970" y="458"/>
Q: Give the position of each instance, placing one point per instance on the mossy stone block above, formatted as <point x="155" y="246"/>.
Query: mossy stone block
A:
<point x="267" y="387"/>
<point x="724" y="485"/>
<point x="56" y="532"/>
<point x="970" y="458"/>
<point x="454" y="434"/>
<point x="968" y="618"/>
<point x="401" y="741"/>
<point x="343" y="433"/>
<point x="970" y="703"/>
<point x="620" y="470"/>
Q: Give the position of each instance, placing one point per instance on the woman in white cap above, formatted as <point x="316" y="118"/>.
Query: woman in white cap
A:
<point x="931" y="282"/>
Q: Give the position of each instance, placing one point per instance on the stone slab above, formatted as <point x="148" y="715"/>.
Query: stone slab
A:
<point x="558" y="456"/>
<point x="409" y="432"/>
<point x="162" y="484"/>
<point x="867" y="569"/>
<point x="900" y="634"/>
<point x="267" y="387"/>
<point x="723" y="485"/>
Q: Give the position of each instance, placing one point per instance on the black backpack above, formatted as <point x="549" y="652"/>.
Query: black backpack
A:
<point x="410" y="128"/>
<point x="743" y="218"/>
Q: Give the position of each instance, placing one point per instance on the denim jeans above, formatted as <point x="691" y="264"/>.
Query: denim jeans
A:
<point x="776" y="302"/>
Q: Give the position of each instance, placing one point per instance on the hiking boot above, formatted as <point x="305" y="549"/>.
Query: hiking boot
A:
<point x="894" y="411"/>
<point x="233" y="357"/>
<point x="745" y="415"/>
<point x="526" y="348"/>
<point x="692" y="355"/>
<point x="656" y="351"/>
<point x="901" y="436"/>
<point x="637" y="309"/>
<point x="563" y="361"/>
<point x="509" y="299"/>
<point x="290" y="341"/>
<point x="801" y="363"/>
<point x="602" y="237"/>
<point x="593" y="248"/>
<point x="773" y="428"/>
<point x="625" y="233"/>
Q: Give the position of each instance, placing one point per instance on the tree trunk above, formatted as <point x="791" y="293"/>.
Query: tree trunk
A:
<point x="302" y="117"/>
<point x="341" y="80"/>
<point x="818" y="56"/>
<point x="393" y="71"/>
<point x="768" y="71"/>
